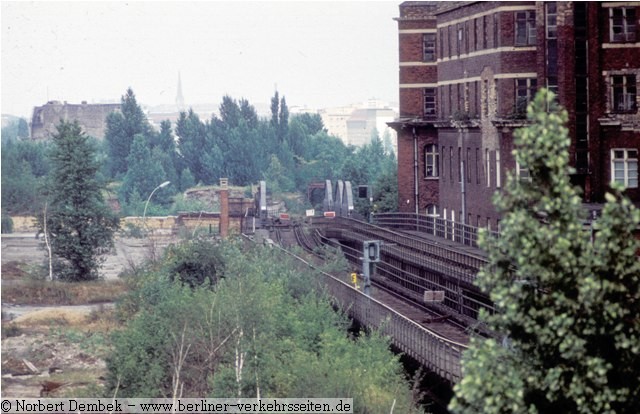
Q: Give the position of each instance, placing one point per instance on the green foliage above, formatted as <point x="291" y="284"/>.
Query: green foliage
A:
<point x="261" y="331"/>
<point x="24" y="169"/>
<point x="121" y="128"/>
<point x="7" y="224"/>
<point x="371" y="165"/>
<point x="277" y="177"/>
<point x="144" y="174"/>
<point x="16" y="128"/>
<point x="195" y="263"/>
<point x="186" y="180"/>
<point x="385" y="191"/>
<point x="79" y="224"/>
<point x="568" y="306"/>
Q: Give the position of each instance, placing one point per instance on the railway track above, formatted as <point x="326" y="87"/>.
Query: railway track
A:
<point x="437" y="321"/>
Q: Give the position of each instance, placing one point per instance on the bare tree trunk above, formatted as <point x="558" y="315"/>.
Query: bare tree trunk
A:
<point x="179" y="356"/>
<point x="46" y="241"/>
<point x="255" y="359"/>
<point x="239" y="363"/>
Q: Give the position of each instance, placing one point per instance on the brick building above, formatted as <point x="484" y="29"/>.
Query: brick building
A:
<point x="467" y="72"/>
<point x="91" y="117"/>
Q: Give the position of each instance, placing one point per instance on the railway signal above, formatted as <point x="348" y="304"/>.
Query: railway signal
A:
<point x="371" y="256"/>
<point x="354" y="279"/>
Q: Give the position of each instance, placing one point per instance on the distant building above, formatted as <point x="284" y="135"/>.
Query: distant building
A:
<point x="467" y="72"/>
<point x="91" y="117"/>
<point x="355" y="124"/>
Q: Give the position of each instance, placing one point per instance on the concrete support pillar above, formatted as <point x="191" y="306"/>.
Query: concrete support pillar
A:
<point x="224" y="207"/>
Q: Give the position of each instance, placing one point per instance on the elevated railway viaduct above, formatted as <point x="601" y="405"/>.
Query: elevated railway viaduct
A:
<point x="412" y="262"/>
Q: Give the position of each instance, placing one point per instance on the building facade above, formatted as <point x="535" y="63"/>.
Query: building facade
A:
<point x="468" y="71"/>
<point x="91" y="117"/>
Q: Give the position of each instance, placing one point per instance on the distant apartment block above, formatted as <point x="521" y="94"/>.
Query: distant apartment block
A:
<point x="355" y="124"/>
<point x="469" y="69"/>
<point x="91" y="117"/>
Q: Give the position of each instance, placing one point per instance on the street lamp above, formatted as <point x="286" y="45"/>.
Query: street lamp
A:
<point x="144" y="215"/>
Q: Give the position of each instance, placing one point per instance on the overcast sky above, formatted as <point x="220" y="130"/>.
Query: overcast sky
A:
<point x="317" y="53"/>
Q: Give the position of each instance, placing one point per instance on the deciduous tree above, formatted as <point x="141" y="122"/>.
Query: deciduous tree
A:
<point x="567" y="304"/>
<point x="121" y="128"/>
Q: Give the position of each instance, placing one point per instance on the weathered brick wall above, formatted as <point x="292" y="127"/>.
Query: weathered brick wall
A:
<point x="91" y="117"/>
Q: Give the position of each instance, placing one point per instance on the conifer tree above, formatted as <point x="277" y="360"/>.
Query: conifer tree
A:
<point x="80" y="226"/>
<point x="567" y="299"/>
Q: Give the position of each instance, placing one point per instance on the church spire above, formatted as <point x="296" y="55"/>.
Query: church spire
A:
<point x="179" y="97"/>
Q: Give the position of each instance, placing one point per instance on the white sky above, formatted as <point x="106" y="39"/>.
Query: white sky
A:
<point x="318" y="53"/>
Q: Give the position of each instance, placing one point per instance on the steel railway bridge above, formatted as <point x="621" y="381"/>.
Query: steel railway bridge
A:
<point x="419" y="255"/>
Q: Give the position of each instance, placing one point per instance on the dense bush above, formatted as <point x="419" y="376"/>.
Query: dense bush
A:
<point x="7" y="224"/>
<point x="262" y="331"/>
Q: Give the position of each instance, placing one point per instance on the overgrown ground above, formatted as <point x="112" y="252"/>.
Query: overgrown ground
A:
<point x="55" y="335"/>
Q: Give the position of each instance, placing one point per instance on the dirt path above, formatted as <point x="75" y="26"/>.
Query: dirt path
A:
<point x="60" y="350"/>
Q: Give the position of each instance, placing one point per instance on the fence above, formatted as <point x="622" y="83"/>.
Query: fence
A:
<point x="437" y="226"/>
<point x="435" y="352"/>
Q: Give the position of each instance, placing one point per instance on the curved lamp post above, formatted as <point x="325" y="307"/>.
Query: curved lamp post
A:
<point x="144" y="215"/>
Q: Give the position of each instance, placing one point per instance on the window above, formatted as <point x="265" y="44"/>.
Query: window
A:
<point x="429" y="47"/>
<point x="523" y="173"/>
<point x="477" y="165"/>
<point x="485" y="31"/>
<point x="451" y="163"/>
<point x="442" y="158"/>
<point x="476" y="34"/>
<point x="432" y="210"/>
<point x="525" y="92"/>
<point x="552" y="20"/>
<point x="468" y="165"/>
<point x="459" y="164"/>
<point x="624" y="167"/>
<point x="485" y="97"/>
<point x="498" y="180"/>
<point x="525" y="28"/>
<point x="622" y="22"/>
<point x="551" y="38"/>
<point x="459" y="39"/>
<point x="487" y="166"/>
<point x="623" y="90"/>
<point x="476" y="97"/>
<point x="431" y="161"/>
<point x="495" y="30"/>
<point x="430" y="102"/>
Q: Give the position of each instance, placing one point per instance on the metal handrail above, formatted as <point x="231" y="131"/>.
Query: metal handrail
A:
<point x="439" y="354"/>
<point x="433" y="225"/>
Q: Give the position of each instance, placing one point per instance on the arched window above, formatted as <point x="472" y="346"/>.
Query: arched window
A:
<point x="431" y="161"/>
<point x="432" y="210"/>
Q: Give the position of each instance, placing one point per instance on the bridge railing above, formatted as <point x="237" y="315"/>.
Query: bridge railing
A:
<point x="464" y="301"/>
<point x="464" y="265"/>
<point x="437" y="226"/>
<point x="437" y="353"/>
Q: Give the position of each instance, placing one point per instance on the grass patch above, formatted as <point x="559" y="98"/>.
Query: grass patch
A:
<point x="13" y="271"/>
<point x="42" y="292"/>
<point x="83" y="383"/>
<point x="10" y="329"/>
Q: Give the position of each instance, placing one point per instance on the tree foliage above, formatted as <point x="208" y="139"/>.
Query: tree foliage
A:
<point x="79" y="225"/>
<point x="144" y="173"/>
<point x="121" y="128"/>
<point x="567" y="304"/>
<point x="262" y="331"/>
